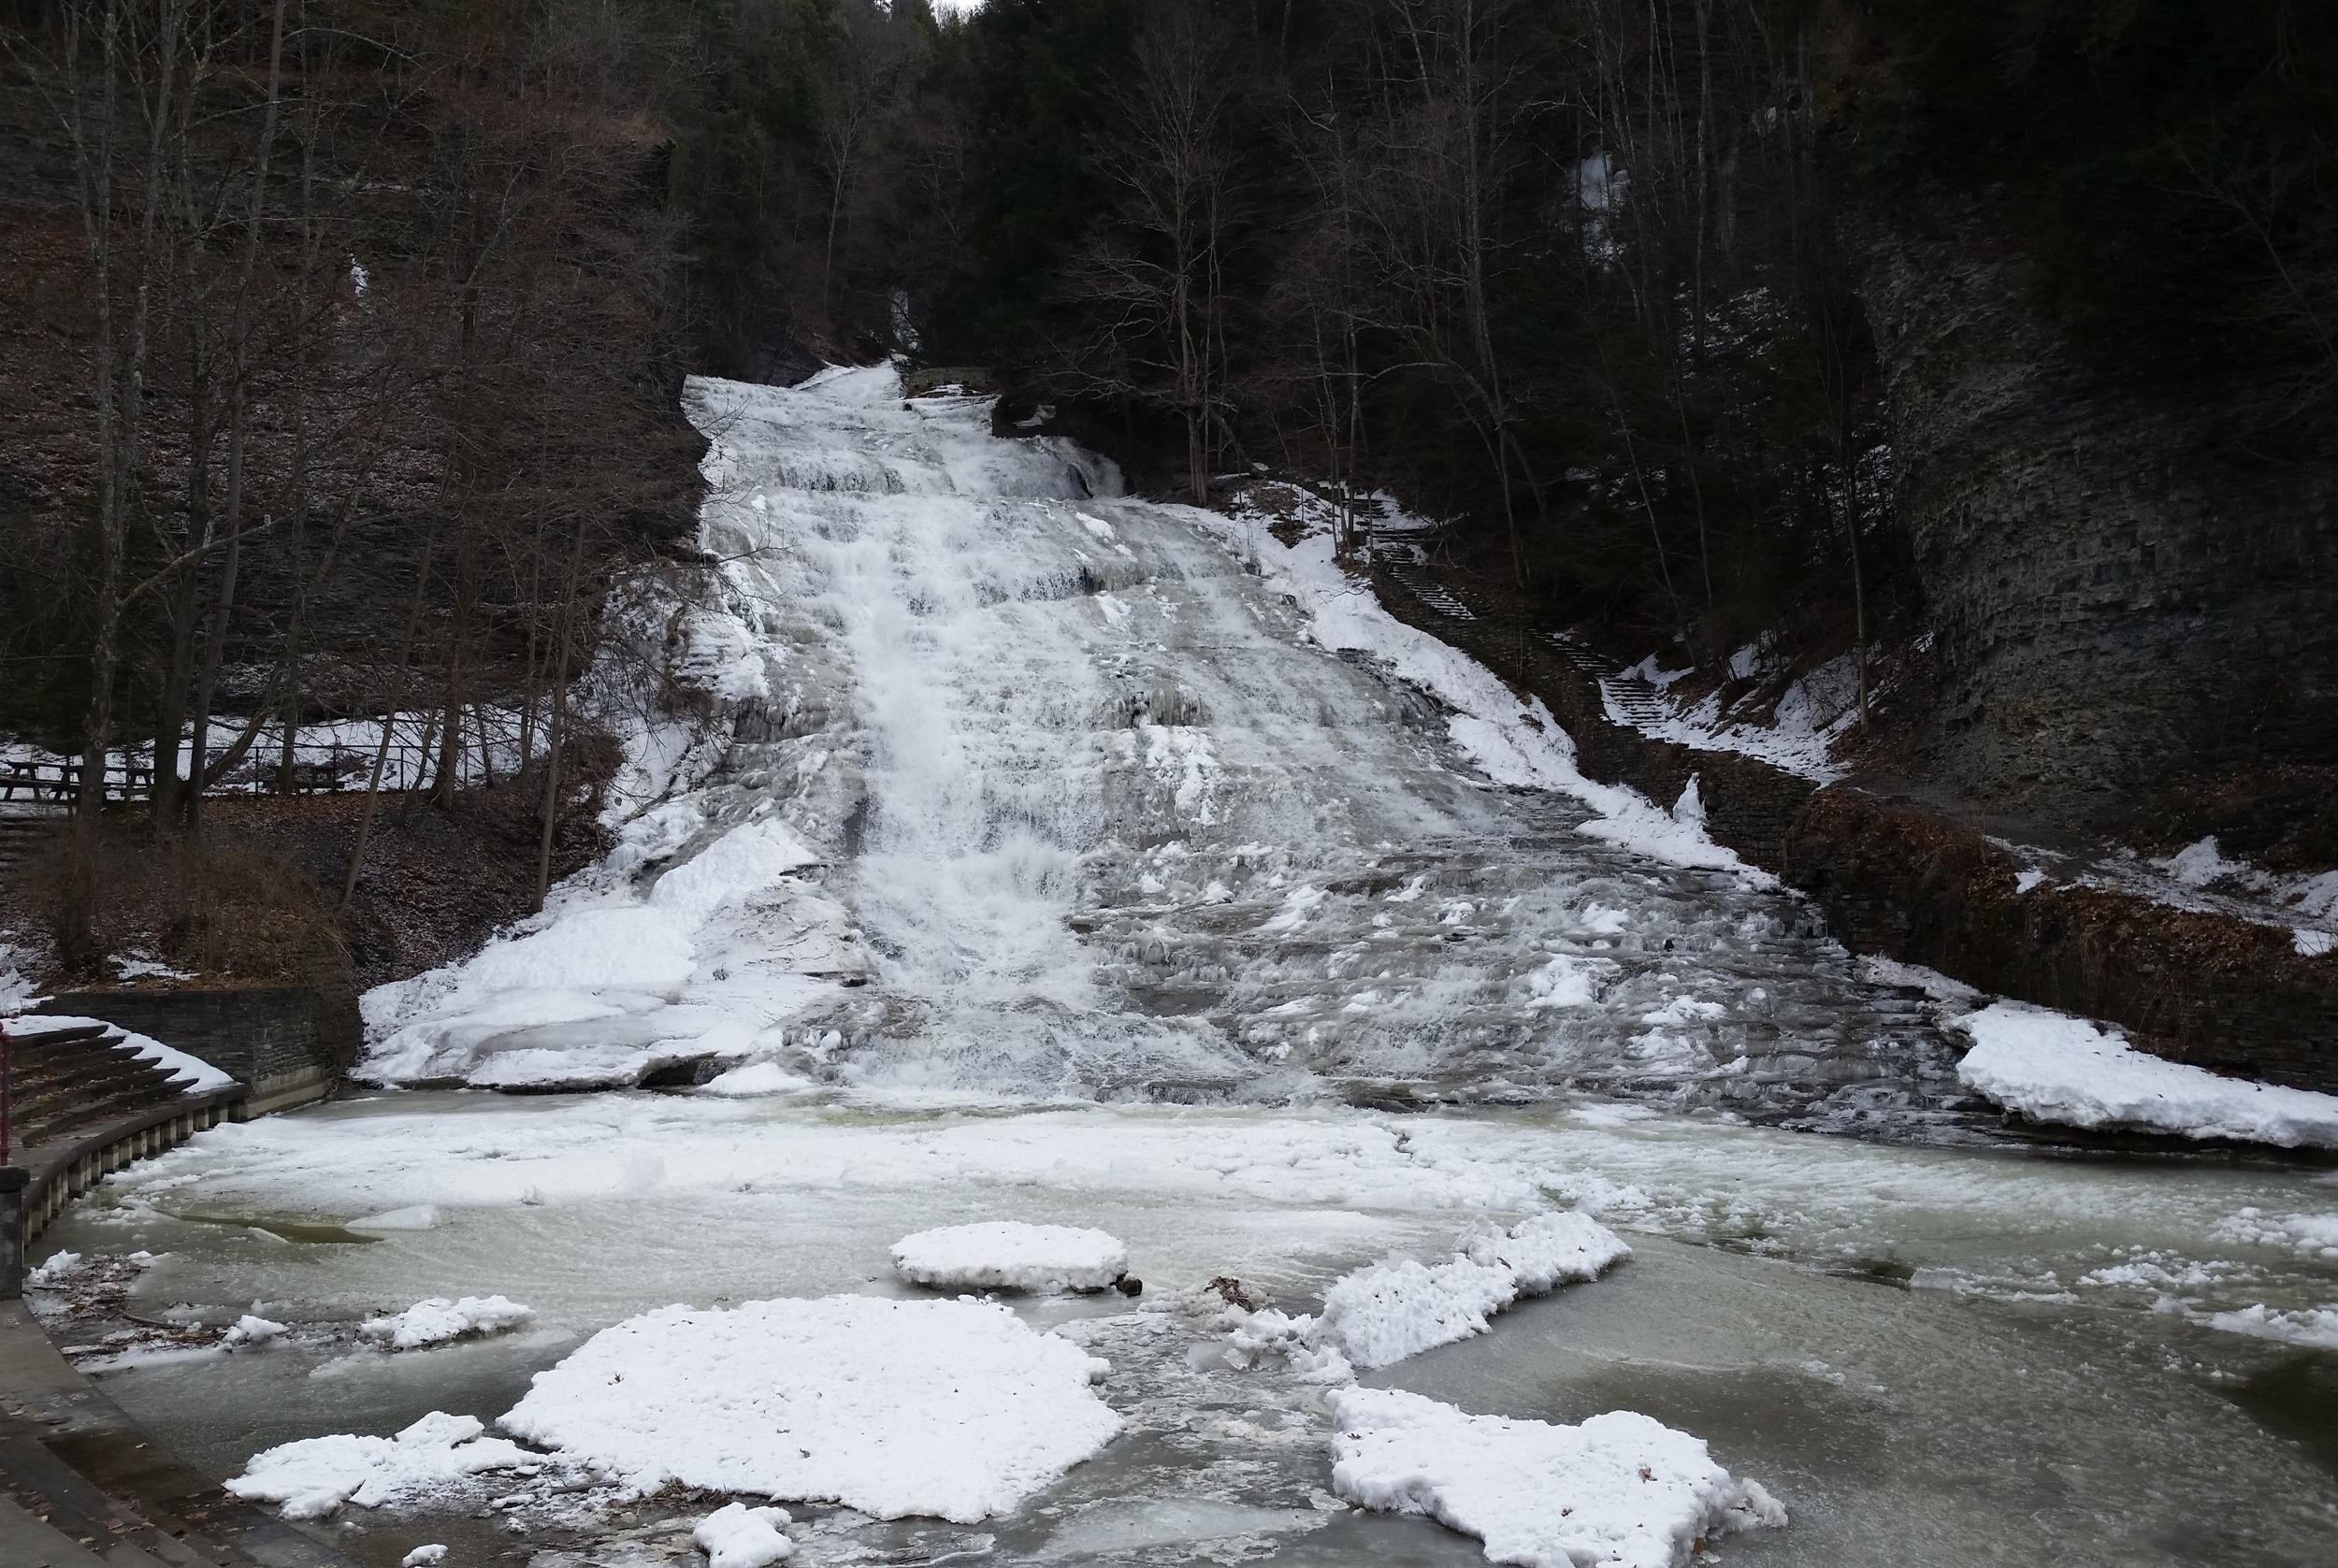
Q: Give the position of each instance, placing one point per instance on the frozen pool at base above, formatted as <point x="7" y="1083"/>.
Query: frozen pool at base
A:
<point x="1951" y="1352"/>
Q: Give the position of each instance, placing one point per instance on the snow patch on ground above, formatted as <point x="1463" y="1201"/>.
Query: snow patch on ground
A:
<point x="1878" y="970"/>
<point x="2203" y="879"/>
<point x="315" y="1475"/>
<point x="1009" y="1255"/>
<point x="953" y="1409"/>
<point x="1620" y="1488"/>
<point x="2053" y="1067"/>
<point x="438" y="1320"/>
<point x="1812" y="711"/>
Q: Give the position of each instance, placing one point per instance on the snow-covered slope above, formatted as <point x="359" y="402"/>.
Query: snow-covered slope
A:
<point x="1013" y="785"/>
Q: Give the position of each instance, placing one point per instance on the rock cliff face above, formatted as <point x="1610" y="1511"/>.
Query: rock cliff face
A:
<point x="2130" y="590"/>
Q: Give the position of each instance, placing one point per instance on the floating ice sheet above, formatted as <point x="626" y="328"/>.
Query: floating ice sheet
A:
<point x="317" y="1474"/>
<point x="1620" y="1488"/>
<point x="953" y="1409"/>
<point x="1010" y="1255"/>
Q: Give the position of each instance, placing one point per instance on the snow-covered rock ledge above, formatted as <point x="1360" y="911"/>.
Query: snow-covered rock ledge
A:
<point x="2051" y="1067"/>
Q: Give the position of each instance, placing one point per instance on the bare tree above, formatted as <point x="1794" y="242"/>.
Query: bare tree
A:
<point x="1151" y="280"/>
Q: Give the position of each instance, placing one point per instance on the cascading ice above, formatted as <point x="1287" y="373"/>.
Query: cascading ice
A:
<point x="1079" y="803"/>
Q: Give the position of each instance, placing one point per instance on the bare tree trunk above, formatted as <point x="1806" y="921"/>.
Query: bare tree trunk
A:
<point x="556" y="742"/>
<point x="389" y="728"/>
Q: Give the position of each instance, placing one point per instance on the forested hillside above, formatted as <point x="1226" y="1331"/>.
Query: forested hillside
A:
<point x="344" y="339"/>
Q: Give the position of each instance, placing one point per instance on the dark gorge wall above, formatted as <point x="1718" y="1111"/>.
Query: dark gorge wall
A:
<point x="2129" y="573"/>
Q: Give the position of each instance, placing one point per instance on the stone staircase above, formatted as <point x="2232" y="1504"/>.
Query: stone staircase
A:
<point x="78" y="1077"/>
<point x="1630" y="698"/>
<point x="25" y="829"/>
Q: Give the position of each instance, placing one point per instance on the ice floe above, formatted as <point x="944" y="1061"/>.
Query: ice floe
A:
<point x="1010" y="1255"/>
<point x="952" y="1409"/>
<point x="315" y="1475"/>
<point x="253" y="1330"/>
<point x="438" y="1320"/>
<point x="1378" y="1316"/>
<point x="1621" y="1488"/>
<point x="2316" y="1328"/>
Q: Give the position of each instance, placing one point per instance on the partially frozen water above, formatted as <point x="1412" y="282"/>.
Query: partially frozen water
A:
<point x="1969" y="1355"/>
<point x="1092" y="892"/>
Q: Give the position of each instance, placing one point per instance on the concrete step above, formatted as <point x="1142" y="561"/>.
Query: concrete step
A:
<point x="30" y="1037"/>
<point x="26" y="1541"/>
<point x="78" y="1077"/>
<point x="94" y="1479"/>
<point x="56" y="1121"/>
<point x="87" y="1068"/>
<point x="56" y="1493"/>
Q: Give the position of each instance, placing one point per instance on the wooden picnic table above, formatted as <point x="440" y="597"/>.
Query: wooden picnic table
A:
<point x="62" y="781"/>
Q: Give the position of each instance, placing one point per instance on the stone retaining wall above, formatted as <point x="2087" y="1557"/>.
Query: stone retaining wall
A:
<point x="32" y="1196"/>
<point x="289" y="1043"/>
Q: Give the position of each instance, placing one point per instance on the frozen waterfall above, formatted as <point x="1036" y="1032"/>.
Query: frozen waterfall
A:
<point x="1017" y="787"/>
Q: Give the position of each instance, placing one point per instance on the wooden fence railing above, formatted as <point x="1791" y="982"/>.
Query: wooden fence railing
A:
<point x="322" y="770"/>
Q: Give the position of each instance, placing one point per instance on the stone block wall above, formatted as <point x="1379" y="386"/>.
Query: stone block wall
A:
<point x="290" y="1043"/>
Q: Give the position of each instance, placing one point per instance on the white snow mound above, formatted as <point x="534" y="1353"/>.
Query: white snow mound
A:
<point x="2053" y="1067"/>
<point x="952" y="1409"/>
<point x="1620" y="1490"/>
<point x="439" y="1320"/>
<point x="1009" y="1255"/>
<point x="737" y="1536"/>
<point x="1380" y="1314"/>
<point x="317" y="1474"/>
